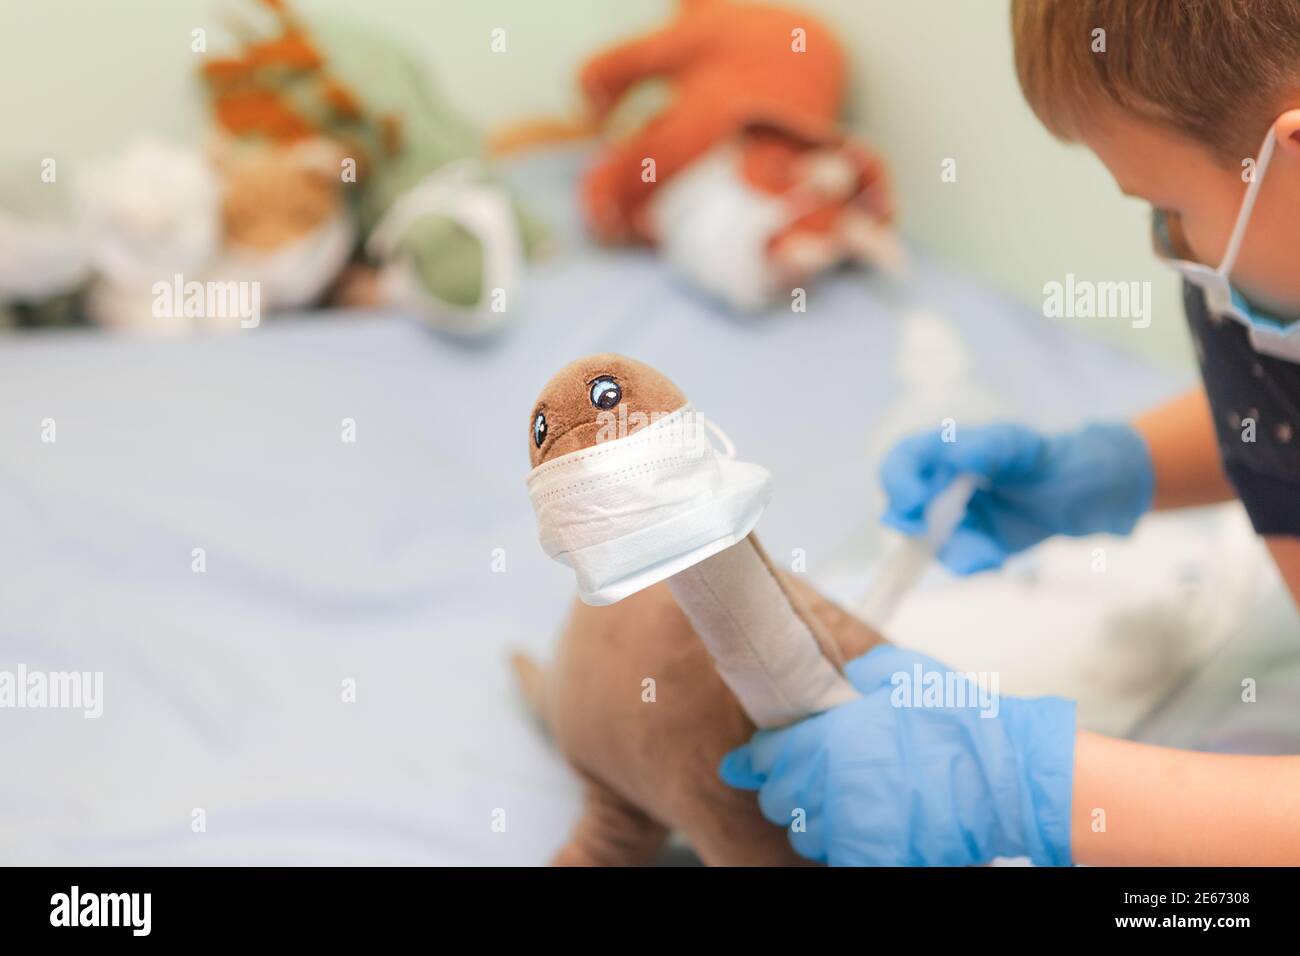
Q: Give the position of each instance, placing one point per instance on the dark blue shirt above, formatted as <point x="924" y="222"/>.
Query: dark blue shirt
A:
<point x="1245" y="387"/>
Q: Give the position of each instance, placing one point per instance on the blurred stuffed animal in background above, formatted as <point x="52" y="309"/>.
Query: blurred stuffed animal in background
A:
<point x="336" y="172"/>
<point x="170" y="213"/>
<point x="745" y="180"/>
<point x="441" y="237"/>
<point x="147" y="214"/>
<point x="285" y="222"/>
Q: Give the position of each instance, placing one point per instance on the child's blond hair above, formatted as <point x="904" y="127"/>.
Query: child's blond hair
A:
<point x="1218" y="71"/>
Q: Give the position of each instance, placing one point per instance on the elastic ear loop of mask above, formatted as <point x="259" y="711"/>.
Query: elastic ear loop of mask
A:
<point x="1248" y="205"/>
<point x="728" y="446"/>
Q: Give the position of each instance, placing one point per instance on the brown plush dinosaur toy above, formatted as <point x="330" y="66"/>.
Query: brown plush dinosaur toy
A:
<point x="650" y="762"/>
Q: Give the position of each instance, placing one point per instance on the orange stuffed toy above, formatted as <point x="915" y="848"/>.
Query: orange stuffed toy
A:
<point x="745" y="180"/>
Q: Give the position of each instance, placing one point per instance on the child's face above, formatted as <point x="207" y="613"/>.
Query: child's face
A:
<point x="1203" y="197"/>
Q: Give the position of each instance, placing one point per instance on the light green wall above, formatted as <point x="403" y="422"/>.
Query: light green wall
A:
<point x="933" y="80"/>
<point x="80" y="77"/>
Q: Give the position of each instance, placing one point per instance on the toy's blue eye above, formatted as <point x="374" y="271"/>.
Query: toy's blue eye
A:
<point x="605" y="392"/>
<point x="539" y="429"/>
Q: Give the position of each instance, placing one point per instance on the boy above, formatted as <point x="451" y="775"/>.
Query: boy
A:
<point x="1175" y="104"/>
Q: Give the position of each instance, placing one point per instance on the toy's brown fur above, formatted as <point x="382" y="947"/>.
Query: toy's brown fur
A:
<point x="649" y="761"/>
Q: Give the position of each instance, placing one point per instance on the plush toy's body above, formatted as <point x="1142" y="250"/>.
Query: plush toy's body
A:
<point x="650" y="768"/>
<point x="649" y="752"/>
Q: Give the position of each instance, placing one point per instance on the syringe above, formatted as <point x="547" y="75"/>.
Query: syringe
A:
<point x="906" y="560"/>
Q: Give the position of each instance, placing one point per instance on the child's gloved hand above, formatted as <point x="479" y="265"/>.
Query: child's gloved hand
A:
<point x="1099" y="478"/>
<point x="879" y="783"/>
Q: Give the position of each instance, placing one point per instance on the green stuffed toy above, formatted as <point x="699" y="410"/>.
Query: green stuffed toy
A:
<point x="443" y="237"/>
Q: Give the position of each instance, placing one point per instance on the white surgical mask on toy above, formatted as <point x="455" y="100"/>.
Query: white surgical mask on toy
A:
<point x="713" y="228"/>
<point x="633" y="511"/>
<point x="1268" y="334"/>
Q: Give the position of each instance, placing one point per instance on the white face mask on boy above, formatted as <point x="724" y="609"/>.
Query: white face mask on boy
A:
<point x="1269" y="335"/>
<point x="633" y="511"/>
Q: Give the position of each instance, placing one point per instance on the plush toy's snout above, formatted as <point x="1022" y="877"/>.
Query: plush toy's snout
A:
<point x="581" y="398"/>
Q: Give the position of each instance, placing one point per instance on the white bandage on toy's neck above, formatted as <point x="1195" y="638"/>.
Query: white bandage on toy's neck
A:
<point x="763" y="648"/>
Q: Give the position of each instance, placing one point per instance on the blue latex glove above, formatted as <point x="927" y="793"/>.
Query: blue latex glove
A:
<point x="881" y="784"/>
<point x="1099" y="478"/>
